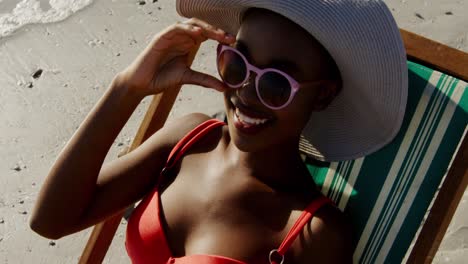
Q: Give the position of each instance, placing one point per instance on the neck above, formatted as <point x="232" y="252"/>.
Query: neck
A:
<point x="279" y="166"/>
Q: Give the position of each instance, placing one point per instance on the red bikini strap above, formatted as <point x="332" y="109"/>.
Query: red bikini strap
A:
<point x="301" y="222"/>
<point x="188" y="140"/>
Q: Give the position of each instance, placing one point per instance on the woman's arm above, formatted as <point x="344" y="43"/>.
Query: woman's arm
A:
<point x="70" y="186"/>
<point x="77" y="193"/>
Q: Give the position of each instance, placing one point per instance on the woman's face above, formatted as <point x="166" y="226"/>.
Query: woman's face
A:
<point x="270" y="41"/>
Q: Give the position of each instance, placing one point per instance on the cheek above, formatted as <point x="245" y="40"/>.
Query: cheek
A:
<point x="296" y="115"/>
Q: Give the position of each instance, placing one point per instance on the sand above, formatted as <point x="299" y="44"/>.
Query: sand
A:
<point x="78" y="58"/>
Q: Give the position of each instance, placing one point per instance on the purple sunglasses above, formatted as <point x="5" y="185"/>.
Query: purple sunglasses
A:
<point x="275" y="88"/>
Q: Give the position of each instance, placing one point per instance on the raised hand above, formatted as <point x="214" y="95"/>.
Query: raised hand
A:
<point x="166" y="61"/>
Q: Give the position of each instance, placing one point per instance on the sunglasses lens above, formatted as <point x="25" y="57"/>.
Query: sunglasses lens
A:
<point x="274" y="89"/>
<point x="231" y="67"/>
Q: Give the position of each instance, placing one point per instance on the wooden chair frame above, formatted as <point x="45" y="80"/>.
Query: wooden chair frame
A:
<point x="419" y="49"/>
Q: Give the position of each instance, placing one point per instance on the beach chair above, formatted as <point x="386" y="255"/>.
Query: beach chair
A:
<point x="400" y="199"/>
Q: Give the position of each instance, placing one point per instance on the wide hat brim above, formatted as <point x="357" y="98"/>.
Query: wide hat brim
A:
<point x="364" y="40"/>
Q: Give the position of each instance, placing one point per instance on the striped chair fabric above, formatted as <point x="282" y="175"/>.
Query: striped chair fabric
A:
<point x="386" y="194"/>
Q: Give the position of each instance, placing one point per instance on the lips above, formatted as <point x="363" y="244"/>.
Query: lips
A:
<point x="249" y="121"/>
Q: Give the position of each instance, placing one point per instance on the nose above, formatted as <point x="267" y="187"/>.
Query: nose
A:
<point x="247" y="92"/>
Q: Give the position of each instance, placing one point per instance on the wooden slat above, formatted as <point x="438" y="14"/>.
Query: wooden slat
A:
<point x="436" y="55"/>
<point x="100" y="240"/>
<point x="441" y="213"/>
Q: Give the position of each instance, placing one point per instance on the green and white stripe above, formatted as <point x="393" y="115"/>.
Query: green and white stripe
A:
<point x="435" y="140"/>
<point x="340" y="180"/>
<point x="381" y="191"/>
<point x="410" y="163"/>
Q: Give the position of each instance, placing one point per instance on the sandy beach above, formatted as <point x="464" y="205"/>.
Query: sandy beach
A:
<point x="52" y="74"/>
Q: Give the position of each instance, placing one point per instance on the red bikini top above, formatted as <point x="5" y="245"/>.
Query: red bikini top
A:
<point x="145" y="237"/>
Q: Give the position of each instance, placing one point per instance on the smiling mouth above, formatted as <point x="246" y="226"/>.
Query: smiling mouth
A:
<point x="248" y="120"/>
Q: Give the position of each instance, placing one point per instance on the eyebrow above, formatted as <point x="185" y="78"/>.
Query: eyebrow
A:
<point x="281" y="64"/>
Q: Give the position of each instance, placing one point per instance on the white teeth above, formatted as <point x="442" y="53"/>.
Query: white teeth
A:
<point x="249" y="120"/>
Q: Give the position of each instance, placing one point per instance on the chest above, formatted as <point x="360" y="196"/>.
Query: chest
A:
<point x="210" y="210"/>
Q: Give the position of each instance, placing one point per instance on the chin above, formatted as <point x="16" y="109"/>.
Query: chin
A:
<point x="244" y="144"/>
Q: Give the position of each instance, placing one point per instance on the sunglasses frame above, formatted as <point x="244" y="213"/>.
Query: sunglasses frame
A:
<point x="259" y="72"/>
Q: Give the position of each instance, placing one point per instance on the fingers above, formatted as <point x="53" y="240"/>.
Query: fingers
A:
<point x="198" y="30"/>
<point x="181" y="32"/>
<point x="197" y="78"/>
<point x="211" y="32"/>
<point x="193" y="30"/>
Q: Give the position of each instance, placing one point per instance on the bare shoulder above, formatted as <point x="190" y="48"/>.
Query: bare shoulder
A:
<point x="176" y="129"/>
<point x="156" y="148"/>
<point x="327" y="238"/>
<point x="126" y="180"/>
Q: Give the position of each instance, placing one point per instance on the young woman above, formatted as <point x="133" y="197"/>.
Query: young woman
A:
<point x="236" y="192"/>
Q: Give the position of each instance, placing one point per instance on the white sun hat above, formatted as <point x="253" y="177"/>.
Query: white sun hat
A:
<point x="364" y="40"/>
